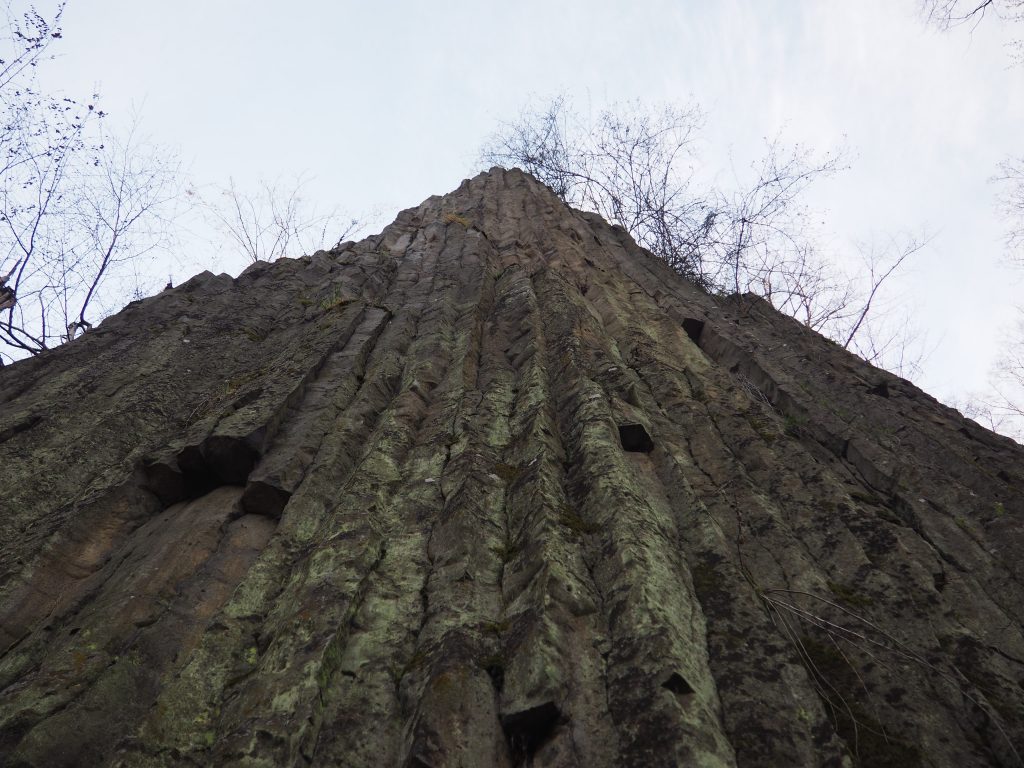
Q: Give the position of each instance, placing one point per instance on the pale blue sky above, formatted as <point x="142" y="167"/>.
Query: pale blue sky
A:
<point x="387" y="103"/>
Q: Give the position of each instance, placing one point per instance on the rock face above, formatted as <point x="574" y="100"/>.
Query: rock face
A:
<point x="496" y="488"/>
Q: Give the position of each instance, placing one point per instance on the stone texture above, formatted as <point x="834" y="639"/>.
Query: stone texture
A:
<point x="496" y="488"/>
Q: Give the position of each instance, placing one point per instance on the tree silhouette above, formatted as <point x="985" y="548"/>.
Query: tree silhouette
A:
<point x="78" y="207"/>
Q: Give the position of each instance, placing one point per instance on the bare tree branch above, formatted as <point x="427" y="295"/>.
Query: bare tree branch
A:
<point x="1011" y="200"/>
<point x="1001" y="406"/>
<point x="275" y="220"/>
<point x="27" y="37"/>
<point x="76" y="205"/>
<point x="633" y="166"/>
<point x="947" y="14"/>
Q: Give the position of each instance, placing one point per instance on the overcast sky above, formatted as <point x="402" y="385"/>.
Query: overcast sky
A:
<point x="387" y="103"/>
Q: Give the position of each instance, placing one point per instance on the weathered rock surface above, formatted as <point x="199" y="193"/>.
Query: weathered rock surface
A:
<point x="496" y="488"/>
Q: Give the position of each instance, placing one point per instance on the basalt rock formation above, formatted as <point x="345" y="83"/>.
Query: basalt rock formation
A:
<point x="496" y="488"/>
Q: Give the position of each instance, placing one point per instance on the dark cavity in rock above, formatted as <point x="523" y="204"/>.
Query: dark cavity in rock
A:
<point x="880" y="390"/>
<point x="694" y="328"/>
<point x="678" y="685"/>
<point x="527" y="730"/>
<point x="635" y="439"/>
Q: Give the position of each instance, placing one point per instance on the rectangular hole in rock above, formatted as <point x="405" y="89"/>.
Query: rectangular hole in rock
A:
<point x="527" y="730"/>
<point x="229" y="459"/>
<point x="678" y="685"/>
<point x="634" y="438"/>
<point x="694" y="328"/>
<point x="196" y="476"/>
<point x="198" y="469"/>
<point x="264" y="499"/>
<point x="880" y="390"/>
<point x="496" y="671"/>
